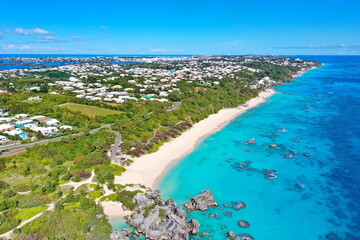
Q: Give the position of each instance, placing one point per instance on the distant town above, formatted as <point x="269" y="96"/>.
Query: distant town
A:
<point x="104" y="79"/>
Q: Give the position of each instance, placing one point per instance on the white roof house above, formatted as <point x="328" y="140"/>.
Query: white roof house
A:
<point x="3" y="139"/>
<point x="66" y="127"/>
<point x="22" y="115"/>
<point x="6" y="127"/>
<point x="52" y="122"/>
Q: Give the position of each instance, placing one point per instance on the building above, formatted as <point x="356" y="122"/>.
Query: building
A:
<point x="3" y="139"/>
<point x="22" y="123"/>
<point x="6" y="127"/>
<point x="4" y="113"/>
<point x="52" y="122"/>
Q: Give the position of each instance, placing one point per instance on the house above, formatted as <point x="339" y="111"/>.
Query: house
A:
<point x="21" y="116"/>
<point x="40" y="117"/>
<point x="6" y="127"/>
<point x="3" y="139"/>
<point x="66" y="127"/>
<point x="4" y="113"/>
<point x="48" y="131"/>
<point x="22" y="123"/>
<point x="6" y="119"/>
<point x="52" y="122"/>
<point x="34" y="98"/>
<point x="14" y="132"/>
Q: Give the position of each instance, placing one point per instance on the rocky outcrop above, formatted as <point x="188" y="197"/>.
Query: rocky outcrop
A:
<point x="201" y="202"/>
<point x="121" y="235"/>
<point x="159" y="220"/>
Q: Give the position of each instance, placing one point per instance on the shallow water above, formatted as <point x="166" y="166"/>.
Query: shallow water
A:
<point x="321" y="113"/>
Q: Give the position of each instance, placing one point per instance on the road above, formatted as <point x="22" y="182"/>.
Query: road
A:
<point x="116" y="147"/>
<point x="12" y="148"/>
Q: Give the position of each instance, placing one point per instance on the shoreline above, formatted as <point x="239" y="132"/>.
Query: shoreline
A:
<point x="149" y="169"/>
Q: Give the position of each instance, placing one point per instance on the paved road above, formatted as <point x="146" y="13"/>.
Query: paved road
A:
<point x="18" y="147"/>
<point x="116" y="148"/>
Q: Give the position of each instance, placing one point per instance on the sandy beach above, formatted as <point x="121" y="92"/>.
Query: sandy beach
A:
<point x="150" y="168"/>
<point x="114" y="209"/>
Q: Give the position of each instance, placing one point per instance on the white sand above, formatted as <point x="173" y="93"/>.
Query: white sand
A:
<point x="150" y="168"/>
<point x="114" y="209"/>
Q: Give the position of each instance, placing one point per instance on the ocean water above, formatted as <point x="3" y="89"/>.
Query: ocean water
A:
<point x="321" y="114"/>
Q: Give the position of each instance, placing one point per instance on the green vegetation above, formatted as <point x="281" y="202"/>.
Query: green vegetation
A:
<point x="40" y="171"/>
<point x="90" y="111"/>
<point x="125" y="197"/>
<point x="117" y="170"/>
<point x="95" y="194"/>
<point x="27" y="213"/>
<point x="79" y="220"/>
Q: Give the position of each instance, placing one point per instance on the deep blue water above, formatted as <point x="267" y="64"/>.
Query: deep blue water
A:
<point x="321" y="113"/>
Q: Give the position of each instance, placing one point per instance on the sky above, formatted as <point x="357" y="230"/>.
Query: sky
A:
<point x="180" y="27"/>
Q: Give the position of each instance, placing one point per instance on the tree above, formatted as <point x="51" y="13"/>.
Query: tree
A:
<point x="59" y="206"/>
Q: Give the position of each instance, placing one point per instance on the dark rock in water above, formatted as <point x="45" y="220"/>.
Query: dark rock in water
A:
<point x="157" y="219"/>
<point x="193" y="226"/>
<point x="231" y="234"/>
<point x="244" y="224"/>
<point x="121" y="235"/>
<point x="212" y="215"/>
<point x="300" y="185"/>
<point x="332" y="236"/>
<point x="243" y="165"/>
<point x="270" y="173"/>
<point x="205" y="234"/>
<point x="289" y="156"/>
<point x="226" y="205"/>
<point x="294" y="152"/>
<point x="245" y="237"/>
<point x="270" y="176"/>
<point x="227" y="213"/>
<point x="239" y="205"/>
<point x="251" y="141"/>
<point x="307" y="154"/>
<point x="201" y="202"/>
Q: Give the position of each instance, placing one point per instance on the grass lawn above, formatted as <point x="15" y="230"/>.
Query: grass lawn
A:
<point x="27" y="213"/>
<point x="90" y="111"/>
<point x="72" y="206"/>
<point x="95" y="194"/>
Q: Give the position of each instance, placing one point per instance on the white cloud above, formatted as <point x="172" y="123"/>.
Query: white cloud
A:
<point x="164" y="50"/>
<point x="81" y="38"/>
<point x="31" y="31"/>
<point x="47" y="38"/>
<point x="18" y="47"/>
<point x="24" y="47"/>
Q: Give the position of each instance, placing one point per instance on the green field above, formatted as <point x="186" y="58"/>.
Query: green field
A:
<point x="90" y="111"/>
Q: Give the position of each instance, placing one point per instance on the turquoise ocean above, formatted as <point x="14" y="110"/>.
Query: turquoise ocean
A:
<point x="316" y="194"/>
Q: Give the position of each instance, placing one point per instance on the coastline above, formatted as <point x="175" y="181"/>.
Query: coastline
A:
<point x="149" y="169"/>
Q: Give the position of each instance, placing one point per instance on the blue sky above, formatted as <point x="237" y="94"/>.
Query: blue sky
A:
<point x="180" y="27"/>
